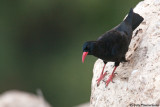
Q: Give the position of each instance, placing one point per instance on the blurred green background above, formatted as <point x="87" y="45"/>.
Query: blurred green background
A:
<point x="41" y="45"/>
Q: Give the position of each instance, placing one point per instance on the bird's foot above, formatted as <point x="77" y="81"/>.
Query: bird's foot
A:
<point x="100" y="78"/>
<point x="110" y="79"/>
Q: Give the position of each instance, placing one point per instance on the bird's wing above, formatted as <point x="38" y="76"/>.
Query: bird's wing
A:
<point x="116" y="42"/>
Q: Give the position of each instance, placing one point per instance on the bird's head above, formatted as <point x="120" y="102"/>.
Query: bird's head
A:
<point x="88" y="48"/>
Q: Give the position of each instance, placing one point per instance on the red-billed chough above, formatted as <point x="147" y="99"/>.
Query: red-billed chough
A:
<point x="113" y="45"/>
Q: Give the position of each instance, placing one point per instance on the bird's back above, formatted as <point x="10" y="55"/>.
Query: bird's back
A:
<point x="117" y="40"/>
<point x="116" y="45"/>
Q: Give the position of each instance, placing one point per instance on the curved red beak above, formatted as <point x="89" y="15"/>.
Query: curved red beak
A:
<point x="84" y="56"/>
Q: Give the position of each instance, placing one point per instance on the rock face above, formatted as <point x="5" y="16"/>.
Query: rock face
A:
<point x="21" y="99"/>
<point x="137" y="81"/>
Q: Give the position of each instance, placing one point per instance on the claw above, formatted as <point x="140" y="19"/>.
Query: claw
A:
<point x="113" y="81"/>
<point x="116" y="73"/>
<point x="110" y="79"/>
<point x="97" y="84"/>
<point x="100" y="78"/>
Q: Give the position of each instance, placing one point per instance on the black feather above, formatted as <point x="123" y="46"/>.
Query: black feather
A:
<point x="113" y="45"/>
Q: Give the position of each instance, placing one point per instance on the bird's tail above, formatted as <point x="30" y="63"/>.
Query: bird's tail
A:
<point x="133" y="19"/>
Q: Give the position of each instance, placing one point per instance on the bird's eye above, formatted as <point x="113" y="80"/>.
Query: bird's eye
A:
<point x="86" y="48"/>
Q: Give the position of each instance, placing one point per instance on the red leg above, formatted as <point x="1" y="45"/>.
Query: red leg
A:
<point x="111" y="77"/>
<point x="101" y="76"/>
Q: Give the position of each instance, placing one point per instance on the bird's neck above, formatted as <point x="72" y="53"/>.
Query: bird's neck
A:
<point x="99" y="49"/>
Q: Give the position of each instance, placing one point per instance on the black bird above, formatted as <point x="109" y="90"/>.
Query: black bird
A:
<point x="113" y="45"/>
